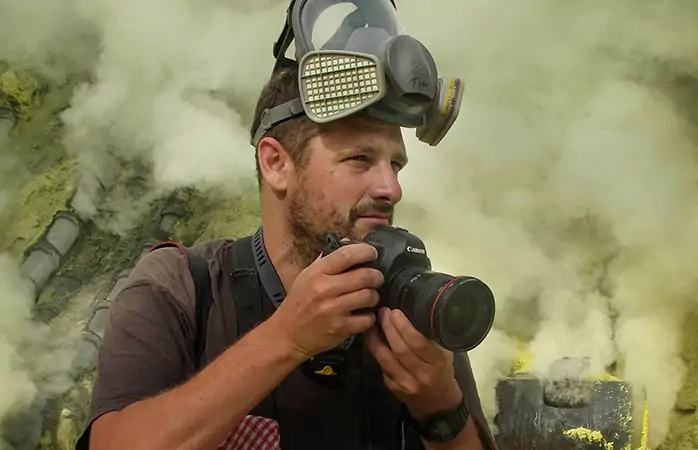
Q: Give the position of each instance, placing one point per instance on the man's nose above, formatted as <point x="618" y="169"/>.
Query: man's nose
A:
<point x="385" y="185"/>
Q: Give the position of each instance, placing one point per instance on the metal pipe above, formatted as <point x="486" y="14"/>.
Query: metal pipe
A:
<point x="98" y="323"/>
<point x="64" y="232"/>
<point x="88" y="347"/>
<point x="169" y="218"/>
<point x="118" y="284"/>
<point x="44" y="258"/>
<point x="42" y="261"/>
<point x="85" y="358"/>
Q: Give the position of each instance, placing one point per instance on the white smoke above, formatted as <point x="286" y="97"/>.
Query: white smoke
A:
<point x="569" y="181"/>
<point x="34" y="359"/>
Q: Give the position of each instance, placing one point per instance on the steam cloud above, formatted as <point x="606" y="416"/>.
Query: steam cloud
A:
<point x="34" y="361"/>
<point x="568" y="182"/>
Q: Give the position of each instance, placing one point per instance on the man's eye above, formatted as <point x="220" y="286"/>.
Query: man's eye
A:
<point x="359" y="158"/>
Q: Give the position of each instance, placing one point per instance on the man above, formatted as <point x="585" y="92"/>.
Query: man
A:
<point x="339" y="177"/>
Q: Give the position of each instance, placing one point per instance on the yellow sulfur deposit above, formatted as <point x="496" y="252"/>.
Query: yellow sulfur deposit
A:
<point x="18" y="92"/>
<point x="35" y="205"/>
<point x="523" y="361"/>
<point x="587" y="435"/>
<point x="645" y="427"/>
<point x="591" y="436"/>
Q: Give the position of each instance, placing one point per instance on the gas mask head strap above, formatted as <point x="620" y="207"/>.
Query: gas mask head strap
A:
<point x="273" y="116"/>
<point x="283" y="42"/>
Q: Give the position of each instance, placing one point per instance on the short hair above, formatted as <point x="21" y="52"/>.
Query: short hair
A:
<point x="294" y="134"/>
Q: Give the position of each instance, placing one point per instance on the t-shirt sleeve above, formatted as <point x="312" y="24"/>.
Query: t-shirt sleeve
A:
<point x="145" y="351"/>
<point x="466" y="381"/>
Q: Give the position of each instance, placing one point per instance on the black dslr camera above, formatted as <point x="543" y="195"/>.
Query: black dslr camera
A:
<point x="457" y="312"/>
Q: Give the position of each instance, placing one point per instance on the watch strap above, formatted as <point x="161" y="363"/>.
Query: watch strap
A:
<point x="444" y="426"/>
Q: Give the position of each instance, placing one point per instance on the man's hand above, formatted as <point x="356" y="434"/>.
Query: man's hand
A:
<point x="317" y="314"/>
<point x="417" y="371"/>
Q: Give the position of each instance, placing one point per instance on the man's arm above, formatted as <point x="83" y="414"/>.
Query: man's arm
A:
<point x="198" y="414"/>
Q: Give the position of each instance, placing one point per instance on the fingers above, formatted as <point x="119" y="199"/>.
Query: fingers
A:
<point x="407" y="358"/>
<point x="364" y="298"/>
<point x="354" y="280"/>
<point x="345" y="257"/>
<point x="384" y="355"/>
<point x="360" y="323"/>
<point x="406" y="341"/>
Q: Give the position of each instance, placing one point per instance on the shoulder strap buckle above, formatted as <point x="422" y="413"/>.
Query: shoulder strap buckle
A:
<point x="327" y="369"/>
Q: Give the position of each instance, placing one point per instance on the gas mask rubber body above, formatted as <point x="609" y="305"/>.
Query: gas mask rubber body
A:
<point x="354" y="55"/>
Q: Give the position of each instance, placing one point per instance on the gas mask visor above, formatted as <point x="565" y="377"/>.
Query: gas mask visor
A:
<point x="354" y="55"/>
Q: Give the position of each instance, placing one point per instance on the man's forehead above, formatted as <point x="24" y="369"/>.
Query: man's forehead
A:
<point x="395" y="151"/>
<point x="364" y="133"/>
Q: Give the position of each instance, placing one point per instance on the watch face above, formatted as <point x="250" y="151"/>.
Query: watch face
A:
<point x="442" y="429"/>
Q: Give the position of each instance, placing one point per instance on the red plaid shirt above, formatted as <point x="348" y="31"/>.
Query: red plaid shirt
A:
<point x="254" y="433"/>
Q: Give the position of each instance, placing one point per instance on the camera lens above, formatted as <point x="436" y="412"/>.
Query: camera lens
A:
<point x="463" y="313"/>
<point x="456" y="317"/>
<point x="456" y="312"/>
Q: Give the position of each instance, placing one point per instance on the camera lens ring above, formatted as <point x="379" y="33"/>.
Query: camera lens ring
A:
<point x="439" y="305"/>
<point x="436" y="303"/>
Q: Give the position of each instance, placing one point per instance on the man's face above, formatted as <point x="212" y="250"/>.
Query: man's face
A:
<point x="349" y="185"/>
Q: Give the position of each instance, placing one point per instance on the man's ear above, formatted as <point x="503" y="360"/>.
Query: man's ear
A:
<point x="275" y="165"/>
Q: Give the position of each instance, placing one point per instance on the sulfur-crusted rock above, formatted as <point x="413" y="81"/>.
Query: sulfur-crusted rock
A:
<point x="213" y="216"/>
<point x="33" y="209"/>
<point x="19" y="92"/>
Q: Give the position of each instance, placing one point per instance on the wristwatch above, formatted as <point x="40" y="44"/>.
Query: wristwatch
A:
<point x="444" y="426"/>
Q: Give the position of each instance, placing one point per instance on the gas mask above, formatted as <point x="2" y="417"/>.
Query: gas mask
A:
<point x="354" y="55"/>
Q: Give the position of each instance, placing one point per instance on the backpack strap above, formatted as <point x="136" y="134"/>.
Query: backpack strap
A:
<point x="250" y="304"/>
<point x="198" y="268"/>
<point x="249" y="301"/>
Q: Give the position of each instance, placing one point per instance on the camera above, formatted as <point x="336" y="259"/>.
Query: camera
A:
<point x="455" y="311"/>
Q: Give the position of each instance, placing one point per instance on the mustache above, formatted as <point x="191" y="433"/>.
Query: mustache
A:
<point x="373" y="209"/>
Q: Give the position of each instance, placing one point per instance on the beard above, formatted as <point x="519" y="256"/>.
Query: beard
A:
<point x="310" y="223"/>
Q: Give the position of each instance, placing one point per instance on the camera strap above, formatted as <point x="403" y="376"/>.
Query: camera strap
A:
<point x="329" y="368"/>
